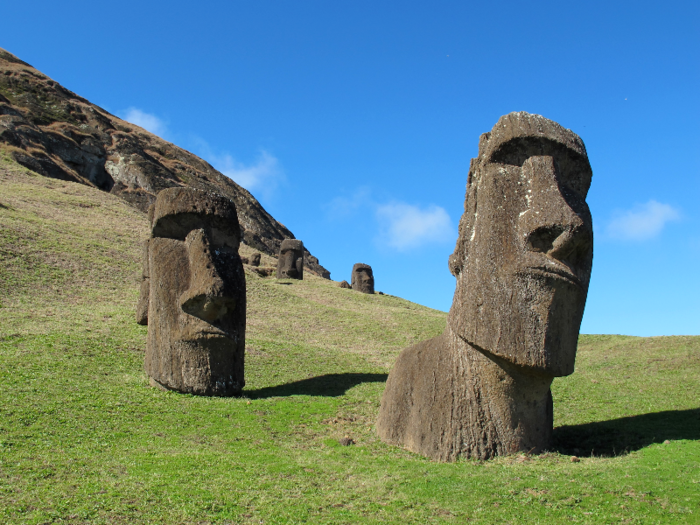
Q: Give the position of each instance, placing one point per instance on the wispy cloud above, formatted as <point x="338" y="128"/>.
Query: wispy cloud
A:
<point x="147" y="121"/>
<point x="403" y="226"/>
<point x="342" y="207"/>
<point x="260" y="177"/>
<point x="642" y="222"/>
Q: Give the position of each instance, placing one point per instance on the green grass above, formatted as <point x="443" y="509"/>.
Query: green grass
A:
<point x="84" y="439"/>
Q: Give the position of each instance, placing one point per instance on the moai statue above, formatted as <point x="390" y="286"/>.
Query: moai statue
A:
<point x="523" y="263"/>
<point x="142" y="306"/>
<point x="345" y="284"/>
<point x="195" y="296"/>
<point x="290" y="263"/>
<point x="362" y="278"/>
<point x="255" y="259"/>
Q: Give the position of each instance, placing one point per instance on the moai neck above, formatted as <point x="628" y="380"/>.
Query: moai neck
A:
<point x="502" y="408"/>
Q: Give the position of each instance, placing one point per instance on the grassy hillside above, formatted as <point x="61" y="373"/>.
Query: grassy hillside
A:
<point x="84" y="439"/>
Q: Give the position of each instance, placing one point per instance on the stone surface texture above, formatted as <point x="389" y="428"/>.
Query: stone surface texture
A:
<point x="58" y="134"/>
<point x="144" y="291"/>
<point x="362" y="279"/>
<point x="345" y="284"/>
<point x="523" y="264"/>
<point x="196" y="295"/>
<point x="290" y="262"/>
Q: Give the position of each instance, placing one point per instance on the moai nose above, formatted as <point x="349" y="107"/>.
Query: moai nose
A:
<point x="205" y="298"/>
<point x="550" y="224"/>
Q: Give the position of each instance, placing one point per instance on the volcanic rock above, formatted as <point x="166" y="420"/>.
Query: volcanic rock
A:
<point x="58" y="134"/>
<point x="196" y="294"/>
<point x="523" y="263"/>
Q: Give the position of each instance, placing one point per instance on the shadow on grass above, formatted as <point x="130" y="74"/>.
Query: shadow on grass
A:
<point x="331" y="385"/>
<point x="620" y="436"/>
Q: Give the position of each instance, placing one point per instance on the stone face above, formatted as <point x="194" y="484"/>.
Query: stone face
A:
<point x="196" y="294"/>
<point x="362" y="279"/>
<point x="344" y="284"/>
<point x="255" y="259"/>
<point x="523" y="264"/>
<point x="290" y="263"/>
<point x="58" y="134"/>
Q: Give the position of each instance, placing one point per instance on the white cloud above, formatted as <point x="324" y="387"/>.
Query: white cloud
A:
<point x="642" y="222"/>
<point x="403" y="226"/>
<point x="147" y="121"/>
<point x="263" y="176"/>
<point x="342" y="207"/>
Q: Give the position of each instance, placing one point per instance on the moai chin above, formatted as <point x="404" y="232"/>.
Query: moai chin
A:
<point x="196" y="296"/>
<point x="290" y="263"/>
<point x="362" y="278"/>
<point x="523" y="263"/>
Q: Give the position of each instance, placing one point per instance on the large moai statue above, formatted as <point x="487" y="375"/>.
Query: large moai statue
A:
<point x="523" y="263"/>
<point x="362" y="279"/>
<point x="290" y="263"/>
<point x="195" y="294"/>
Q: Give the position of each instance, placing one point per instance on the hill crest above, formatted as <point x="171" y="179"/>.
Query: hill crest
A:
<point x="58" y="134"/>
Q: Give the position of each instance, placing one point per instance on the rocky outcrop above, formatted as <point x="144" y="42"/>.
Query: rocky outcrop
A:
<point x="58" y="134"/>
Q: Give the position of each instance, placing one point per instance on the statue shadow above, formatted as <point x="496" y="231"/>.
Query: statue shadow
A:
<point x="329" y="385"/>
<point x="619" y="436"/>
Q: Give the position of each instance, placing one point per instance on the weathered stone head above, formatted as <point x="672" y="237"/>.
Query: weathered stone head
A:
<point x="362" y="278"/>
<point x="525" y="248"/>
<point x="523" y="263"/>
<point x="290" y="263"/>
<point x="196" y="294"/>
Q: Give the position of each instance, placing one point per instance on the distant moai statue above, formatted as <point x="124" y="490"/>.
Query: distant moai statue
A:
<point x="255" y="259"/>
<point x="195" y="294"/>
<point x="345" y="284"/>
<point x="362" y="278"/>
<point x="290" y="263"/>
<point x="523" y="263"/>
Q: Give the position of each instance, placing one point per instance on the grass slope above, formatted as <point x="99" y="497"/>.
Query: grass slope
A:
<point x="83" y="439"/>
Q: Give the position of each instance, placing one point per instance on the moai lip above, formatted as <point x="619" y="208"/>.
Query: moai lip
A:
<point x="362" y="278"/>
<point x="195" y="294"/>
<point x="523" y="264"/>
<point x="290" y="263"/>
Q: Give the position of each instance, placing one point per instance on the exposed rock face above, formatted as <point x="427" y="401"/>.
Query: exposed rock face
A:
<point x="362" y="278"/>
<point x="196" y="294"/>
<point x="523" y="263"/>
<point x="56" y="133"/>
<point x="290" y="262"/>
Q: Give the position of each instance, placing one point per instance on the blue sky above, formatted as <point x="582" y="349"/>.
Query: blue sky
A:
<point x="354" y="122"/>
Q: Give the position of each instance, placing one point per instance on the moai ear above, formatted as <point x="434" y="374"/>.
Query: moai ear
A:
<point x="144" y="293"/>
